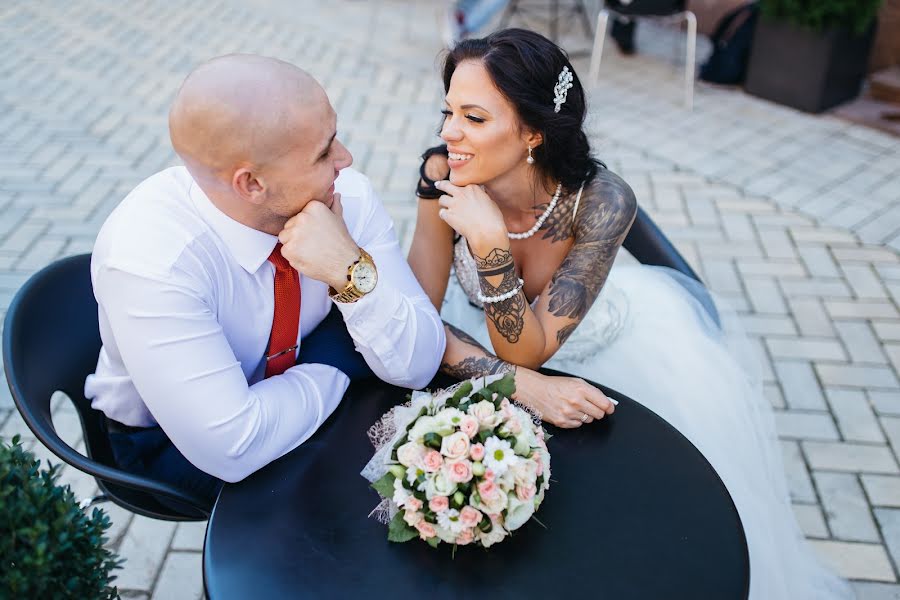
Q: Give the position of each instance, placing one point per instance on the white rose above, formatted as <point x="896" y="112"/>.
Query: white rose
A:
<point x="524" y="473"/>
<point x="424" y="424"/>
<point x="439" y="485"/>
<point x="455" y="446"/>
<point x="488" y="418"/>
<point x="410" y="454"/>
<point x="445" y="534"/>
<point x="518" y="512"/>
<point x="496" y="534"/>
<point x="495" y="505"/>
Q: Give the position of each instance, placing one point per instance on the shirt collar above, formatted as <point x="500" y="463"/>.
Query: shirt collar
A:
<point x="249" y="247"/>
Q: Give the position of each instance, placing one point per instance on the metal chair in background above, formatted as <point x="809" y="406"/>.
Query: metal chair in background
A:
<point x="666" y="10"/>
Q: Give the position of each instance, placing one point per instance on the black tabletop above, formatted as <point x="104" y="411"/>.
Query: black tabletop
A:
<point x="633" y="511"/>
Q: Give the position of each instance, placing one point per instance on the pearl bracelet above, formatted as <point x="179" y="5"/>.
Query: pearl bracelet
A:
<point x="494" y="299"/>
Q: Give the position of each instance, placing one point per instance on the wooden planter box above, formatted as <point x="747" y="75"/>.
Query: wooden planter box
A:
<point x="808" y="70"/>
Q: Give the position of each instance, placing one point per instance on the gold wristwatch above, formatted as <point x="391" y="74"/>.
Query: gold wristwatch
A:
<point x="362" y="276"/>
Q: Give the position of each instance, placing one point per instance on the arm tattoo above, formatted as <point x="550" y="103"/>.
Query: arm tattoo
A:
<point x="463" y="336"/>
<point x="559" y="227"/>
<point x="495" y="258"/>
<point x="563" y="334"/>
<point x="508" y="316"/>
<point x="474" y="366"/>
<point x="603" y="222"/>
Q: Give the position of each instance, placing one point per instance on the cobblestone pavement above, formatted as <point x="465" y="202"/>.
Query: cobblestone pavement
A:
<point x="793" y="218"/>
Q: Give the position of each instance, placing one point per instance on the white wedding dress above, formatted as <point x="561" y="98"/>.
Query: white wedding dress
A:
<point x="650" y="338"/>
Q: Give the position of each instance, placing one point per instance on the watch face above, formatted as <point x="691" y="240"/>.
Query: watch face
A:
<point x="365" y="277"/>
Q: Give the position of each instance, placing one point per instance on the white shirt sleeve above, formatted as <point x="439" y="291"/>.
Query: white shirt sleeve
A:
<point x="395" y="327"/>
<point x="187" y="375"/>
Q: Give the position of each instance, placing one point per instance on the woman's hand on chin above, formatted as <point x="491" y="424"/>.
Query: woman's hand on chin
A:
<point x="472" y="214"/>
<point x="561" y="401"/>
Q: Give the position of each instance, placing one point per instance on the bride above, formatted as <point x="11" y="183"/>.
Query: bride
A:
<point x="530" y="224"/>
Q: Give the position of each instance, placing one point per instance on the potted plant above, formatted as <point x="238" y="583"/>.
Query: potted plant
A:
<point x="811" y="54"/>
<point x="49" y="547"/>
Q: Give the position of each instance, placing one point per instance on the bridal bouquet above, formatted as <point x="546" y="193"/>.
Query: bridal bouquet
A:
<point x="462" y="465"/>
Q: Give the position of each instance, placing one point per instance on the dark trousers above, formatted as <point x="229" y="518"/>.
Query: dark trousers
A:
<point x="149" y="452"/>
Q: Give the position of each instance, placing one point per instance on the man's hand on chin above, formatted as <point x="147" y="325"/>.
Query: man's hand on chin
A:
<point x="316" y="243"/>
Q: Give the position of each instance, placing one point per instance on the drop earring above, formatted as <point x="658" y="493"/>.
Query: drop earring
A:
<point x="530" y="159"/>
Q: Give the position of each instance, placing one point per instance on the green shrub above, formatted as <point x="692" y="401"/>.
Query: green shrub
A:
<point x="820" y="15"/>
<point x="49" y="548"/>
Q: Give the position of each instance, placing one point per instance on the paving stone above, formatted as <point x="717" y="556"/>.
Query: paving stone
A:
<point x="882" y="490"/>
<point x="885" y="402"/>
<point x="765" y="295"/>
<point x="866" y="590"/>
<point x="856" y="560"/>
<point x="889" y="521"/>
<point x="145" y="545"/>
<point x="799" y="385"/>
<point x="811" y="521"/>
<point x="860" y="341"/>
<point x="799" y="481"/>
<point x="862" y="309"/>
<point x="847" y="456"/>
<point x="805" y="348"/>
<point x="190" y="536"/>
<point x="856" y="376"/>
<point x="845" y="507"/>
<point x="178" y="579"/>
<point x="805" y="425"/>
<point x="810" y="316"/>
<point x="854" y="416"/>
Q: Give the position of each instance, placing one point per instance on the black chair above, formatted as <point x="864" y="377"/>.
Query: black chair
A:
<point x="647" y="243"/>
<point x="51" y="341"/>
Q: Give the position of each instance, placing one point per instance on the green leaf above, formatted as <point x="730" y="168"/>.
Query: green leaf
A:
<point x="433" y="541"/>
<point x="464" y="390"/>
<point x="385" y="485"/>
<point x="505" y="386"/>
<point x="433" y="440"/>
<point x="399" y="531"/>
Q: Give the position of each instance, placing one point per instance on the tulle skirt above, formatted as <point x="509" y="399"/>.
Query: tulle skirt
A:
<point x="650" y="337"/>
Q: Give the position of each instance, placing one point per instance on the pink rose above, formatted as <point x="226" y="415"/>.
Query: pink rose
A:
<point x="465" y="537"/>
<point x="460" y="471"/>
<point x="470" y="517"/>
<point x="439" y="504"/>
<point x="536" y="457"/>
<point x="413" y="503"/>
<point x="469" y="426"/>
<point x="433" y="461"/>
<point x="455" y="446"/>
<point x="488" y="475"/>
<point x="426" y="530"/>
<point x="525" y="493"/>
<point x="412" y="517"/>
<point x="487" y="489"/>
<point x="476" y="452"/>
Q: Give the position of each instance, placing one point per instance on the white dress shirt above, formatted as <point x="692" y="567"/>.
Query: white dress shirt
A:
<point x="186" y="300"/>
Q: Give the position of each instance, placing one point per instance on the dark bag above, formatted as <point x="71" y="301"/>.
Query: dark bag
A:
<point x="646" y="7"/>
<point x="731" y="40"/>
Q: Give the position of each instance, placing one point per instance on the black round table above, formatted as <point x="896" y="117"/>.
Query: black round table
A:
<point x="633" y="511"/>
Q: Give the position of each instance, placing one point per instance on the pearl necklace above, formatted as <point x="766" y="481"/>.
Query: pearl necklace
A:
<point x="541" y="219"/>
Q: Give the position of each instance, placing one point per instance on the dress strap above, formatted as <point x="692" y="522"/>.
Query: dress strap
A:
<point x="577" y="202"/>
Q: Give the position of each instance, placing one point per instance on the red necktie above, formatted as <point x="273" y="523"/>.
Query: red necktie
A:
<point x="286" y="321"/>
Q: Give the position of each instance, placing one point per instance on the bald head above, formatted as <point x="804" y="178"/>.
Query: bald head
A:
<point x="242" y="109"/>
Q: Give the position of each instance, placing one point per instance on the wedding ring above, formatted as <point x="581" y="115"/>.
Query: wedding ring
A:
<point x="584" y="417"/>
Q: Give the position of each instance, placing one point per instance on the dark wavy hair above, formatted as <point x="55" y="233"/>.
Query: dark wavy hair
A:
<point x="525" y="67"/>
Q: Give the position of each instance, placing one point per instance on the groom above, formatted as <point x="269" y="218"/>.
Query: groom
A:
<point x="212" y="277"/>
